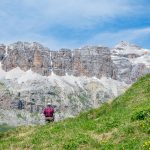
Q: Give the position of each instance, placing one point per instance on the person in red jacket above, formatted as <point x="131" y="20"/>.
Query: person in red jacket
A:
<point x="49" y="113"/>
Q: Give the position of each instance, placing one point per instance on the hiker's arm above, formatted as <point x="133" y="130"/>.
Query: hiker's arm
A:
<point x="53" y="110"/>
<point x="44" y="112"/>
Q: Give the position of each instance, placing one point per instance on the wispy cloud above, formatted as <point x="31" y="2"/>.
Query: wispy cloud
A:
<point x="111" y="38"/>
<point x="81" y="13"/>
<point x="36" y="20"/>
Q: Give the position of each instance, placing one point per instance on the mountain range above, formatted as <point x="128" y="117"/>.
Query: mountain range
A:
<point x="73" y="80"/>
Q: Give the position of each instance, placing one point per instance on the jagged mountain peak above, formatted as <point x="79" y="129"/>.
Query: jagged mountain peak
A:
<point x="23" y="45"/>
<point x="125" y="48"/>
<point x="126" y="44"/>
<point x="123" y="44"/>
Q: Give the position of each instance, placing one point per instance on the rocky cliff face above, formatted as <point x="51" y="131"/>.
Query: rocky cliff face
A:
<point x="72" y="80"/>
<point x="130" y="62"/>
<point x="88" y="61"/>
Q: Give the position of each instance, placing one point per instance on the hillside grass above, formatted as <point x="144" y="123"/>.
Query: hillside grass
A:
<point x="123" y="124"/>
<point x="5" y="127"/>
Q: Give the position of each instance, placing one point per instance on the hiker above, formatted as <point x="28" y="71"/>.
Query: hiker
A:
<point x="20" y="104"/>
<point x="49" y="113"/>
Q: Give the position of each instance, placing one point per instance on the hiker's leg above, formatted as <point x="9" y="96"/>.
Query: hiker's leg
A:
<point x="52" y="119"/>
<point x="47" y="120"/>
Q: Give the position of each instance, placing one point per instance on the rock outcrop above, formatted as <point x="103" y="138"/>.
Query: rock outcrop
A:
<point x="90" y="61"/>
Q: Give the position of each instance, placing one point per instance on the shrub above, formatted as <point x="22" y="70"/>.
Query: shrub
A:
<point x="141" y="115"/>
<point x="144" y="117"/>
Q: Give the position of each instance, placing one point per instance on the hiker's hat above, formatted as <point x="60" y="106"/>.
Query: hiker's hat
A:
<point x="48" y="104"/>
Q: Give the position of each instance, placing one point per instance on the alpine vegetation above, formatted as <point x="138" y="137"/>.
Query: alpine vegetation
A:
<point x="120" y="124"/>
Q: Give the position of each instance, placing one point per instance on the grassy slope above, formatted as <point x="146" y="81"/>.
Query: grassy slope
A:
<point x="122" y="124"/>
<point x="4" y="128"/>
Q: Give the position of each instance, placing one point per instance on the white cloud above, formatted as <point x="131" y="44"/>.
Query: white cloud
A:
<point x="79" y="13"/>
<point x="110" y="38"/>
<point x="74" y="13"/>
<point x="105" y="39"/>
<point x="47" y="41"/>
<point x="27" y="19"/>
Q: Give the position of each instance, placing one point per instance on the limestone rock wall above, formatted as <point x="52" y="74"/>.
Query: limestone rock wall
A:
<point x="90" y="61"/>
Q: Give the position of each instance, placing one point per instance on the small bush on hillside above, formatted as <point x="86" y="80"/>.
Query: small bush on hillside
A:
<point x="141" y="115"/>
<point x="144" y="117"/>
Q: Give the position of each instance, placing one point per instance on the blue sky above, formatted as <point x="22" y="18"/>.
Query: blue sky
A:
<point x="75" y="23"/>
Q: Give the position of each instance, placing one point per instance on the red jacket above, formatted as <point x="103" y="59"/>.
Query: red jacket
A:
<point x="48" y="112"/>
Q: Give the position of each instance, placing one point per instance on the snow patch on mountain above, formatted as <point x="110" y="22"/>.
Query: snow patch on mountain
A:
<point x="67" y="82"/>
<point x="30" y="76"/>
<point x="13" y="74"/>
<point x="132" y="53"/>
<point x="145" y="59"/>
<point x="128" y="48"/>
